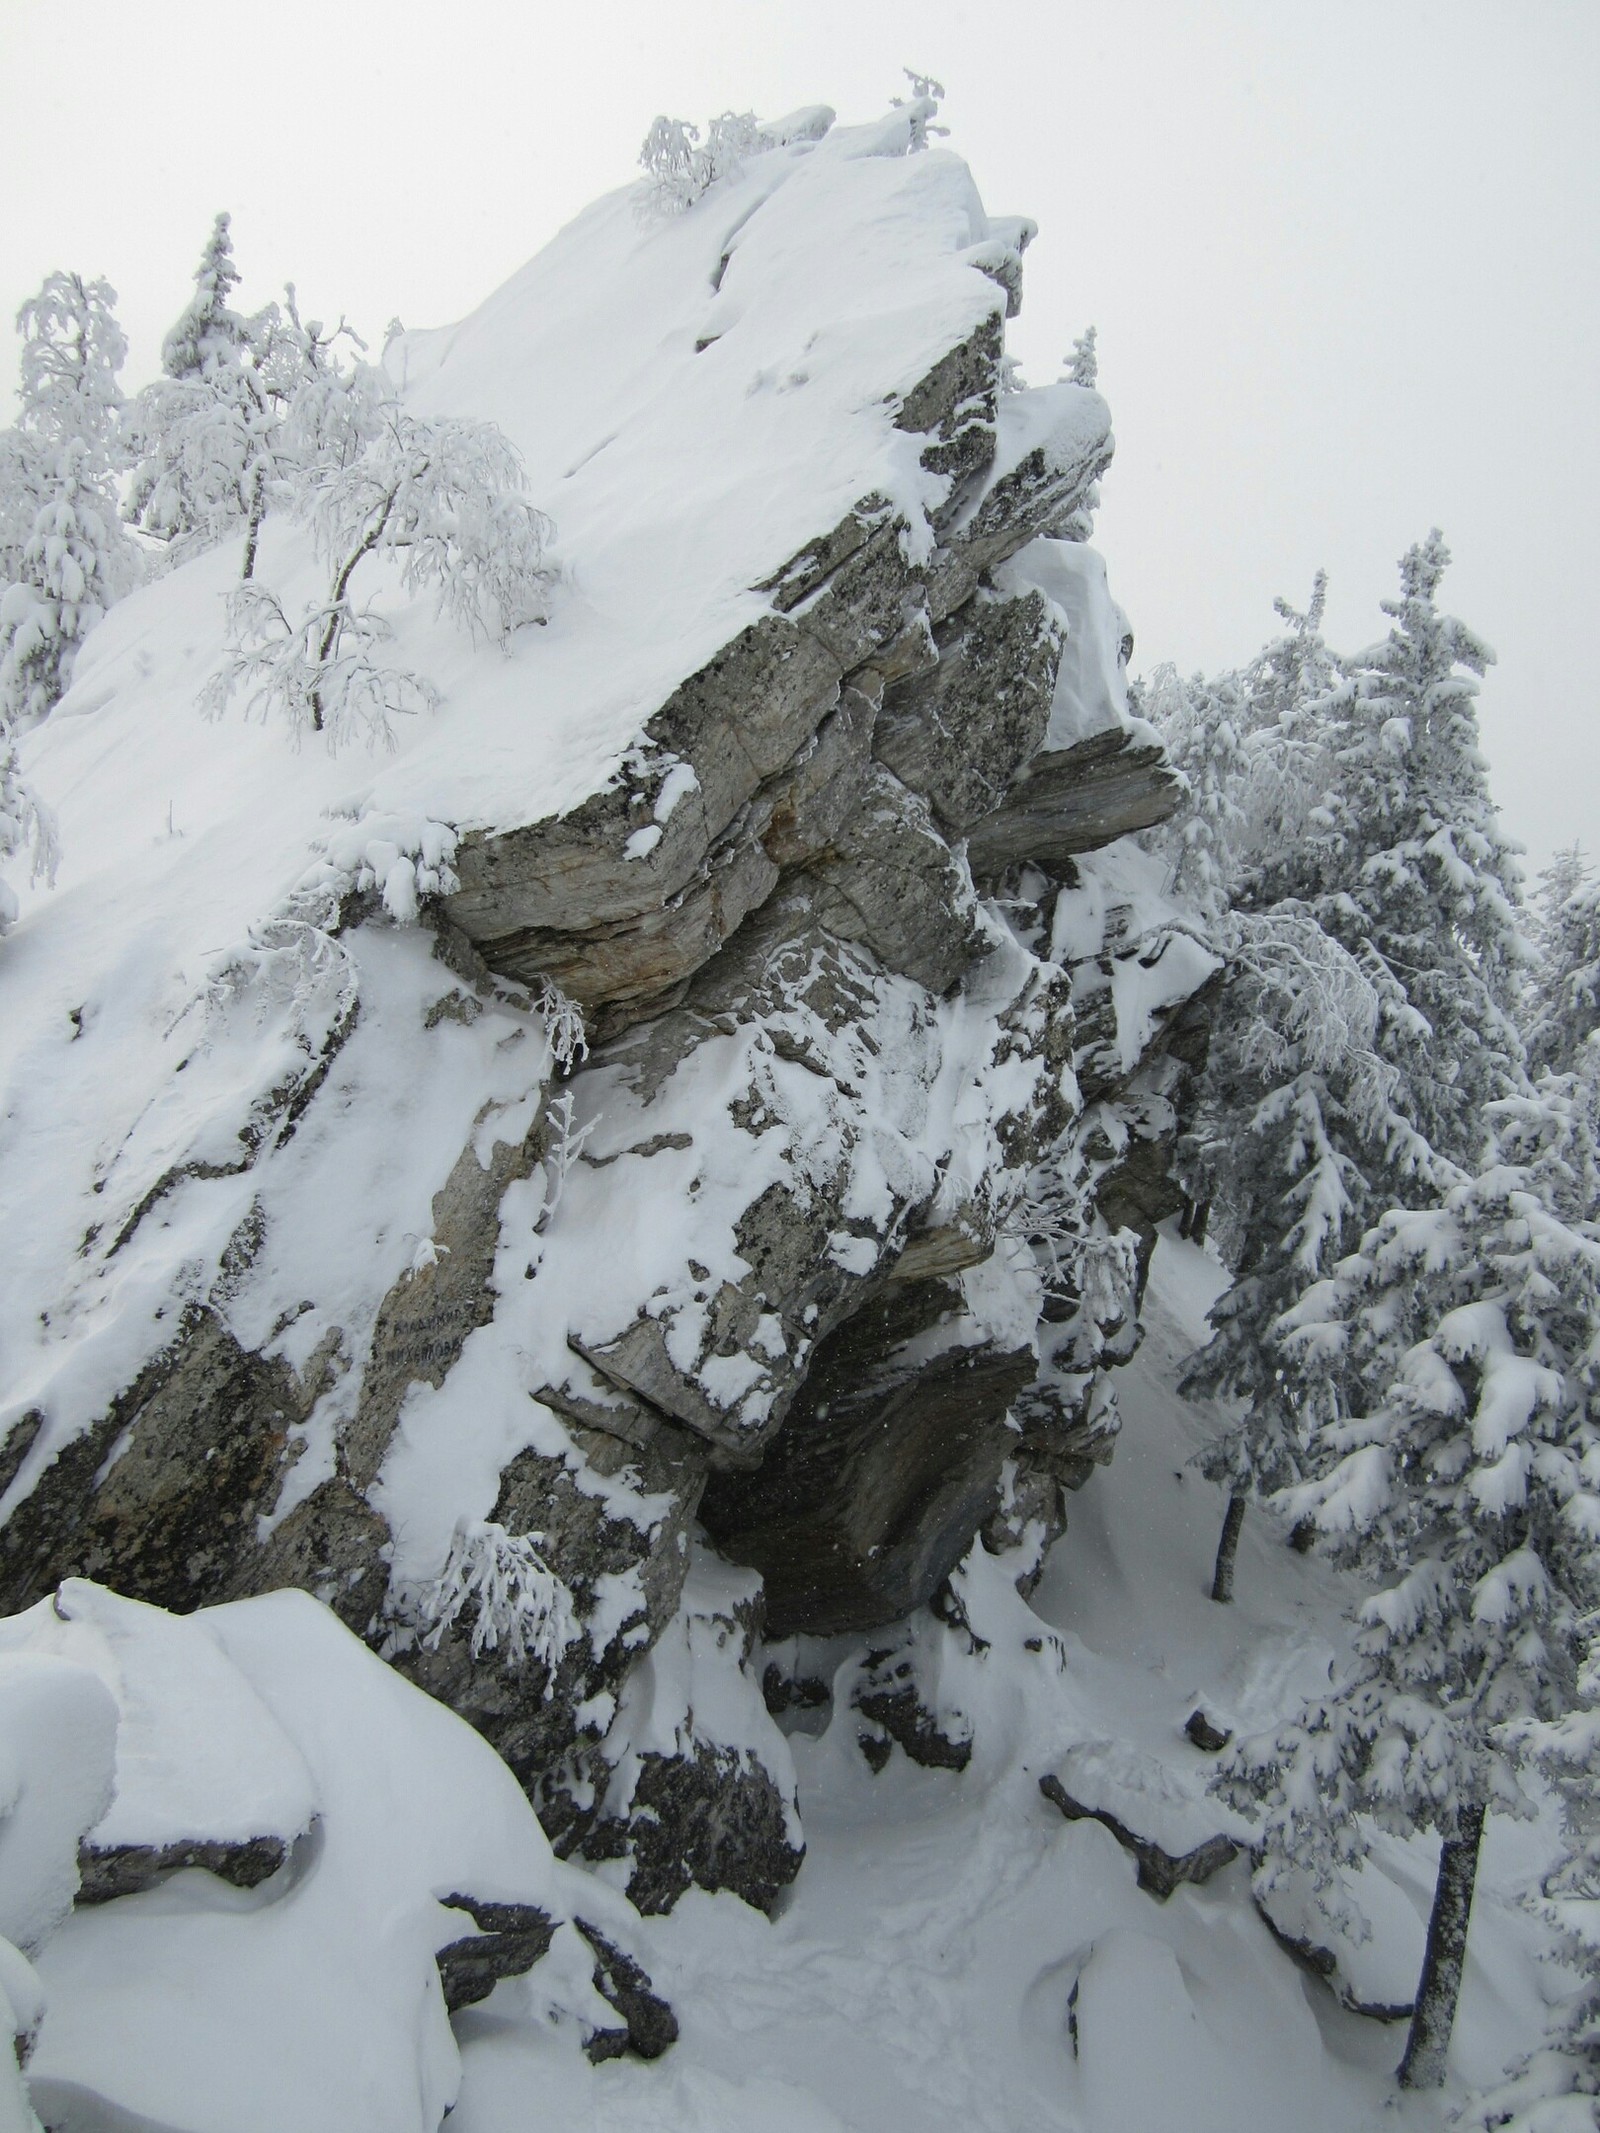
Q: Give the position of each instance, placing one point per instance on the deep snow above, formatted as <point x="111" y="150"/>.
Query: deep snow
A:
<point x="949" y="1932"/>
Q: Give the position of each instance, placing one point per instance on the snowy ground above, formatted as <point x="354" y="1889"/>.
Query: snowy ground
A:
<point x="956" y="1954"/>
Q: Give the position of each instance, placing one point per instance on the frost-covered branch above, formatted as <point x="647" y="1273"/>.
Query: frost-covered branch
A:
<point x="502" y="1583"/>
<point x="441" y="500"/>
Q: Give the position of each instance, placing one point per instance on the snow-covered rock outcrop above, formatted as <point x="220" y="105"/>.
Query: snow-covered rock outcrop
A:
<point x="294" y="1868"/>
<point x="344" y="1261"/>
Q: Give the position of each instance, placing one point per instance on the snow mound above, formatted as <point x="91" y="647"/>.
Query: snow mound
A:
<point x="198" y="1755"/>
<point x="313" y="2001"/>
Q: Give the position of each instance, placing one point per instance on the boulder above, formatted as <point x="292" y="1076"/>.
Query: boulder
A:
<point x="693" y="1784"/>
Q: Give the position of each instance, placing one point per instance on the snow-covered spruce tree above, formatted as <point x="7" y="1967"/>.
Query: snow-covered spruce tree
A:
<point x="443" y="499"/>
<point x="1464" y="1482"/>
<point x="1294" y="1114"/>
<point x="1297" y="1113"/>
<point x="1403" y="861"/>
<point x="1083" y="366"/>
<point x="68" y="576"/>
<point x="1556" y="2087"/>
<point x="207" y="432"/>
<point x="1203" y="725"/>
<point x="1564" y="988"/>
<point x="63" y="552"/>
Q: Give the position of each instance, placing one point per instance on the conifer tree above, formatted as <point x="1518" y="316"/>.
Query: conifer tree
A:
<point x="1555" y="2088"/>
<point x="1083" y="365"/>
<point x="63" y="550"/>
<point x="1295" y="1117"/>
<point x="1297" y="1110"/>
<point x="26" y="826"/>
<point x="1564" y="990"/>
<point x="206" y="432"/>
<point x="1464" y="1482"/>
<point x="1404" y="862"/>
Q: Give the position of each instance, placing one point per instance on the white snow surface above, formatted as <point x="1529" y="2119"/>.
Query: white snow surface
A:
<point x="1091" y="692"/>
<point x="696" y="397"/>
<point x="956" y="1954"/>
<point x="57" y="1756"/>
<point x="312" y="2001"/>
<point x="199" y="1757"/>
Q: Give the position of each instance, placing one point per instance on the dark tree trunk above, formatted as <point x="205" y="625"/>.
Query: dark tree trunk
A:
<point x="1428" y="2044"/>
<point x="1227" y="1550"/>
<point x="1192" y="1223"/>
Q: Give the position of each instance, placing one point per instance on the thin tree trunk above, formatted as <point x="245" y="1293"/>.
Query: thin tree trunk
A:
<point x="253" y="528"/>
<point x="1428" y="2045"/>
<point x="1227" y="1550"/>
<point x="341" y="585"/>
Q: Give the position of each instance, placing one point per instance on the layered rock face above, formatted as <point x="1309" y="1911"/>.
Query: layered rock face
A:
<point x="753" y="1308"/>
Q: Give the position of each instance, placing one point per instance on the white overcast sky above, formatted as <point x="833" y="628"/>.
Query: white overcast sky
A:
<point x="1341" y="253"/>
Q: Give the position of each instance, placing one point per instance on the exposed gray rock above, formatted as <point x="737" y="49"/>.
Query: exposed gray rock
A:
<point x="960" y="733"/>
<point x="1037" y="485"/>
<point x="621" y="1552"/>
<point x="693" y="1785"/>
<point x="825" y="1062"/>
<point x="1160" y="1872"/>
<point x="510" y="1939"/>
<point x="649" y="2025"/>
<point x="889" y="1462"/>
<point x="1323" y="1964"/>
<point x="1075" y="800"/>
<point x="899" y="888"/>
<point x="108" y="1871"/>
<point x="429" y="1314"/>
<point x="888" y="1696"/>
<point x="203" y="1436"/>
<point x="1207" y="1737"/>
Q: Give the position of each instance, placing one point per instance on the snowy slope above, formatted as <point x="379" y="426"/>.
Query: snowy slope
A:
<point x="696" y="397"/>
<point x="950" y="1930"/>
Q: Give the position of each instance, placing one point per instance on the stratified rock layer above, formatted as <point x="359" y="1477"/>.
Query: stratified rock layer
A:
<point x="825" y="1234"/>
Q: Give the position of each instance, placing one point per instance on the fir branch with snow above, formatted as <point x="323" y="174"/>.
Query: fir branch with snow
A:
<point x="1463" y="1478"/>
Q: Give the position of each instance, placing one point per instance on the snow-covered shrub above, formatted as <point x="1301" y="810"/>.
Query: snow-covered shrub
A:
<point x="513" y="1597"/>
<point x="921" y="108"/>
<point x="680" y="167"/>
<point x="26" y="826"/>
<point x="64" y="557"/>
<point x="68" y="575"/>
<point x="318" y="669"/>
<point x="566" y="1144"/>
<point x="1084" y="365"/>
<point x="563" y="1020"/>
<point x="286" y="963"/>
<point x="444" y="496"/>
<point x="441" y="498"/>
